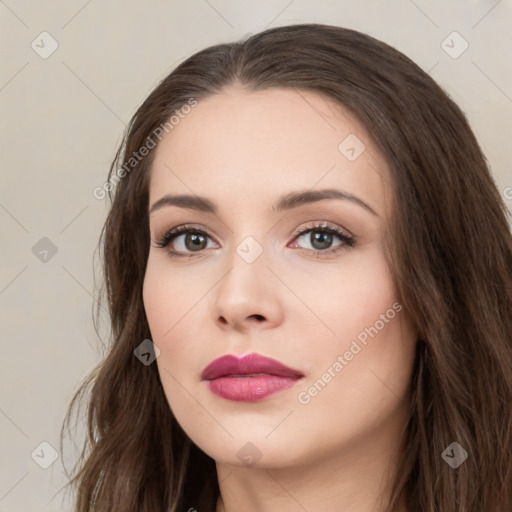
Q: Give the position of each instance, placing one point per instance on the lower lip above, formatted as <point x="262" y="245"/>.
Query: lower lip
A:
<point x="249" y="389"/>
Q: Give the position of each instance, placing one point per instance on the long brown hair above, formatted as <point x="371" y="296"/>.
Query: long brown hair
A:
<point x="449" y="248"/>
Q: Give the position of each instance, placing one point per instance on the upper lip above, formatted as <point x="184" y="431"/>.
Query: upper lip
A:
<point x="247" y="365"/>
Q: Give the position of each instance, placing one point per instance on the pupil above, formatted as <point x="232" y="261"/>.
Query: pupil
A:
<point x="323" y="238"/>
<point x="195" y="240"/>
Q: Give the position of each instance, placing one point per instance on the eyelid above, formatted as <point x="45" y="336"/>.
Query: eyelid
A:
<point x="322" y="224"/>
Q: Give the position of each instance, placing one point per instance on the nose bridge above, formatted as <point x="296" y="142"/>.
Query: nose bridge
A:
<point x="250" y="249"/>
<point x="245" y="291"/>
<point x="247" y="269"/>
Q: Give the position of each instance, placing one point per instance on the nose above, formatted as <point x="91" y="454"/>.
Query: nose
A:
<point x="248" y="297"/>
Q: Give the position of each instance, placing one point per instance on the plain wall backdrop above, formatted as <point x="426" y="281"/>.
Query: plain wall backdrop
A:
<point x="72" y="75"/>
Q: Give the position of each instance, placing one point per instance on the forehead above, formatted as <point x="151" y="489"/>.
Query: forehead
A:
<point x="239" y="146"/>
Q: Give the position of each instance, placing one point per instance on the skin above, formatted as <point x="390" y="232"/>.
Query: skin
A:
<point x="243" y="150"/>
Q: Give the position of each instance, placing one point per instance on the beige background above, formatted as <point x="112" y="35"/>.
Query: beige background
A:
<point x="61" y="119"/>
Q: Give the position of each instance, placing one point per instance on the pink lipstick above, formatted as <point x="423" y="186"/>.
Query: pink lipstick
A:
<point x="249" y="378"/>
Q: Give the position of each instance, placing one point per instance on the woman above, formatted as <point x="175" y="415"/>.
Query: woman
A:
<point x="341" y="340"/>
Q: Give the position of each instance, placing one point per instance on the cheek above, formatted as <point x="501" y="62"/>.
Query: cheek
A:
<point x="368" y="329"/>
<point x="175" y="314"/>
<point x="157" y="297"/>
<point x="172" y="319"/>
<point x="169" y="298"/>
<point x="349" y="297"/>
<point x="361" y="380"/>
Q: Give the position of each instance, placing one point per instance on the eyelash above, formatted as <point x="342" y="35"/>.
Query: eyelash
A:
<point x="348" y="241"/>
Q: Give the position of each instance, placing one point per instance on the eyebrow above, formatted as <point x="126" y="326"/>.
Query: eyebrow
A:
<point x="284" y="203"/>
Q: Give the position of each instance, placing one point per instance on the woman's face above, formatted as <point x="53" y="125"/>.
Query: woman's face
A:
<point x="322" y="303"/>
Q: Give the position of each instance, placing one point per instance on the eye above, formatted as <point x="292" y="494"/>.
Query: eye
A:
<point x="195" y="240"/>
<point x="320" y="238"/>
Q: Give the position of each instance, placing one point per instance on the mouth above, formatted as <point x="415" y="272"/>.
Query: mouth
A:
<point x="250" y="378"/>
